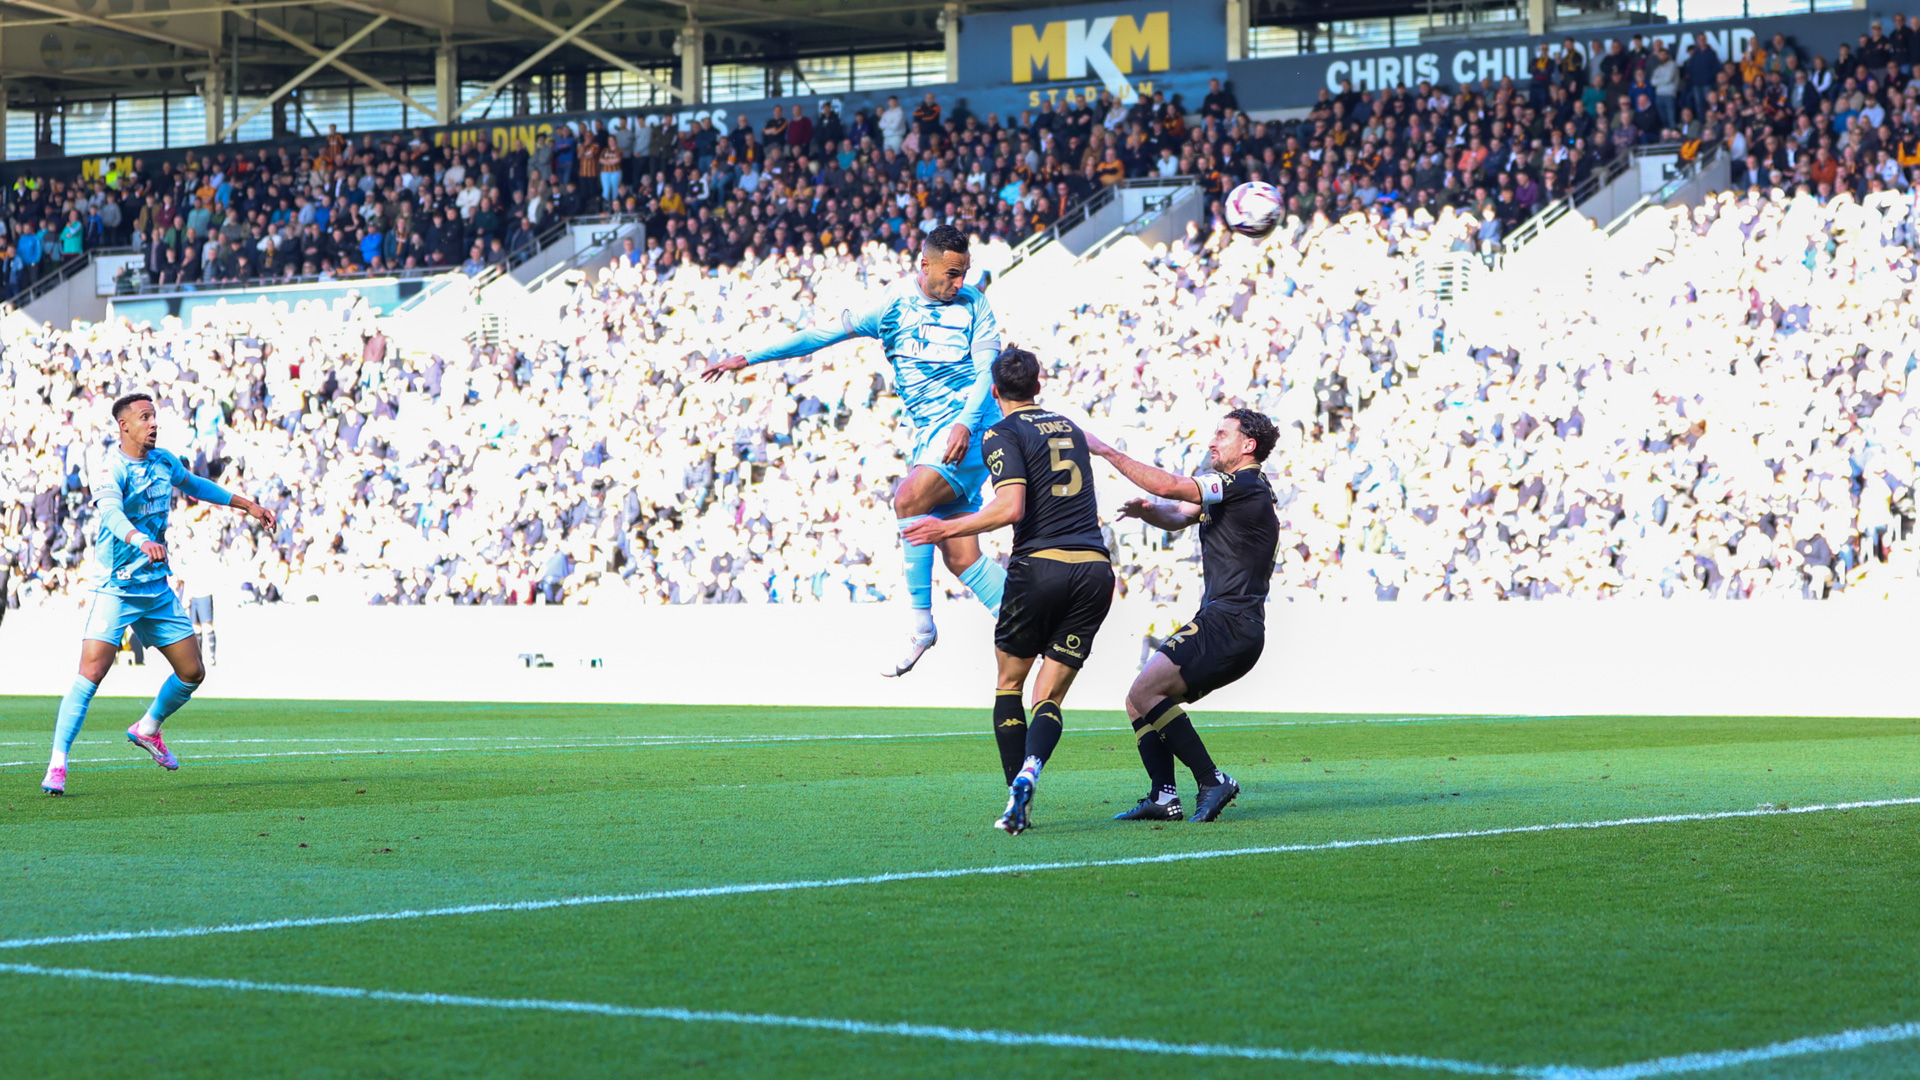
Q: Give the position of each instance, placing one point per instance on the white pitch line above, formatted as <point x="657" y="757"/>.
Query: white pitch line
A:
<point x="656" y="741"/>
<point x="775" y="737"/>
<point x="914" y="875"/>
<point x="401" y="752"/>
<point x="635" y="739"/>
<point x="1726" y="1059"/>
<point x="937" y="1032"/>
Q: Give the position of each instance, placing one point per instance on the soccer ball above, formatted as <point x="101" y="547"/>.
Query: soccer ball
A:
<point x="1253" y="209"/>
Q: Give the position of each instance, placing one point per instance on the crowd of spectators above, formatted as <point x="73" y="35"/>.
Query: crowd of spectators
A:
<point x="710" y="194"/>
<point x="1752" y="432"/>
<point x="1746" y="431"/>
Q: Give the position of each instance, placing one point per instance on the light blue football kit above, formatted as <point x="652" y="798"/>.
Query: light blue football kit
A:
<point x="941" y="354"/>
<point x="135" y="496"/>
<point x="132" y="499"/>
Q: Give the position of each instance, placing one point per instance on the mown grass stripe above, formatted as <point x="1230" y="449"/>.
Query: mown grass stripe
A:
<point x="922" y="875"/>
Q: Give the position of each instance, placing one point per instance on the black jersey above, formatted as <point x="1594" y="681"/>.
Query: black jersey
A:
<point x="1048" y="453"/>
<point x="1239" y="532"/>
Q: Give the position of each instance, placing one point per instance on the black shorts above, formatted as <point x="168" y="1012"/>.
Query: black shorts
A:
<point x="1053" y="606"/>
<point x="1218" y="647"/>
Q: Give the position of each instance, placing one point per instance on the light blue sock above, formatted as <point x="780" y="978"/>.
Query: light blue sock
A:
<point x="988" y="580"/>
<point x="173" y="694"/>
<point x="919" y="577"/>
<point x="73" y="713"/>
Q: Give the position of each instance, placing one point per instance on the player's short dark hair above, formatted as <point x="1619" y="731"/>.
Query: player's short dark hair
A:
<point x="1016" y="374"/>
<point x="1258" y="427"/>
<point x="125" y="403"/>
<point x="944" y="238"/>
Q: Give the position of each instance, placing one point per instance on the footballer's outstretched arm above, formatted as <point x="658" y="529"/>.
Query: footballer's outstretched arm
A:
<point x="801" y="343"/>
<point x="1154" y="481"/>
<point x="1171" y="516"/>
<point x="196" y="487"/>
<point x="1009" y="505"/>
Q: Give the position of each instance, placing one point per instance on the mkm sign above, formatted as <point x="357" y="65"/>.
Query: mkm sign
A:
<point x="1110" y="47"/>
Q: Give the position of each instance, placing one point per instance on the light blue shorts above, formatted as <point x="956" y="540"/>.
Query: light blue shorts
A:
<point x="966" y="477"/>
<point x="157" y="619"/>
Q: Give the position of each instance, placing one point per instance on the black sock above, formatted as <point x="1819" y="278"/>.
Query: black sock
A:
<point x="1185" y="743"/>
<point x="1153" y="749"/>
<point x="1010" y="731"/>
<point x="1044" y="733"/>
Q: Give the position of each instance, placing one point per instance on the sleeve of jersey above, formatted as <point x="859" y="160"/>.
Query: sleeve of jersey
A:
<point x="1213" y="489"/>
<point x="815" y="338"/>
<point x="1005" y="462"/>
<point x="983" y="345"/>
<point x="196" y="487"/>
<point x="107" y="500"/>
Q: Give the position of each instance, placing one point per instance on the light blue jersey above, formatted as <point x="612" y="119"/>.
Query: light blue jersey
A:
<point x="136" y="496"/>
<point x="941" y="353"/>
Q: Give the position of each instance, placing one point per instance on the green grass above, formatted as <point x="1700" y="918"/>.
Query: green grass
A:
<point x="1590" y="947"/>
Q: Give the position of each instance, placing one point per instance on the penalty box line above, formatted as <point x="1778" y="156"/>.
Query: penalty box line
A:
<point x="832" y="736"/>
<point x="936" y="1032"/>
<point x="1855" y="1039"/>
<point x="750" y="888"/>
<point x="405" y="745"/>
<point x="780" y="736"/>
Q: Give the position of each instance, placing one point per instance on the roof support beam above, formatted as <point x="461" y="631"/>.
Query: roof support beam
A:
<point x="307" y="73"/>
<point x="539" y="54"/>
<point x="171" y="13"/>
<point x="312" y="50"/>
<point x="581" y="41"/>
<point x="133" y="30"/>
<point x="695" y="8"/>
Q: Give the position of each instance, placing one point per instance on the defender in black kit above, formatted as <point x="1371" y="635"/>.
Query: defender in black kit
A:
<point x="1059" y="580"/>
<point x="1239" y="530"/>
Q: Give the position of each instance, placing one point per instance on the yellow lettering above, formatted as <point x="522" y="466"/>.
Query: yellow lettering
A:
<point x="1045" y="51"/>
<point x="523" y="137"/>
<point x="1142" y="40"/>
<point x="501" y="137"/>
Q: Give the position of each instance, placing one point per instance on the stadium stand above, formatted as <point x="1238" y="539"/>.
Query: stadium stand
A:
<point x="330" y="208"/>
<point x="1755" y="439"/>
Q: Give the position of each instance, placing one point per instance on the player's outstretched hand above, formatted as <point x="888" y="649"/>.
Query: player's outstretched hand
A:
<point x="928" y="530"/>
<point x="958" y="436"/>
<point x="730" y="364"/>
<point x="155" y="551"/>
<point x="257" y="512"/>
<point x="1137" y="508"/>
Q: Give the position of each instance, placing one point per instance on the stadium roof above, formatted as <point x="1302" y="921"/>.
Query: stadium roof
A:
<point x="155" y="44"/>
<point x="81" y="48"/>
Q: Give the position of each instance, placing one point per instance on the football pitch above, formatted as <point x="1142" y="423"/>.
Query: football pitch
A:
<point x="362" y="889"/>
